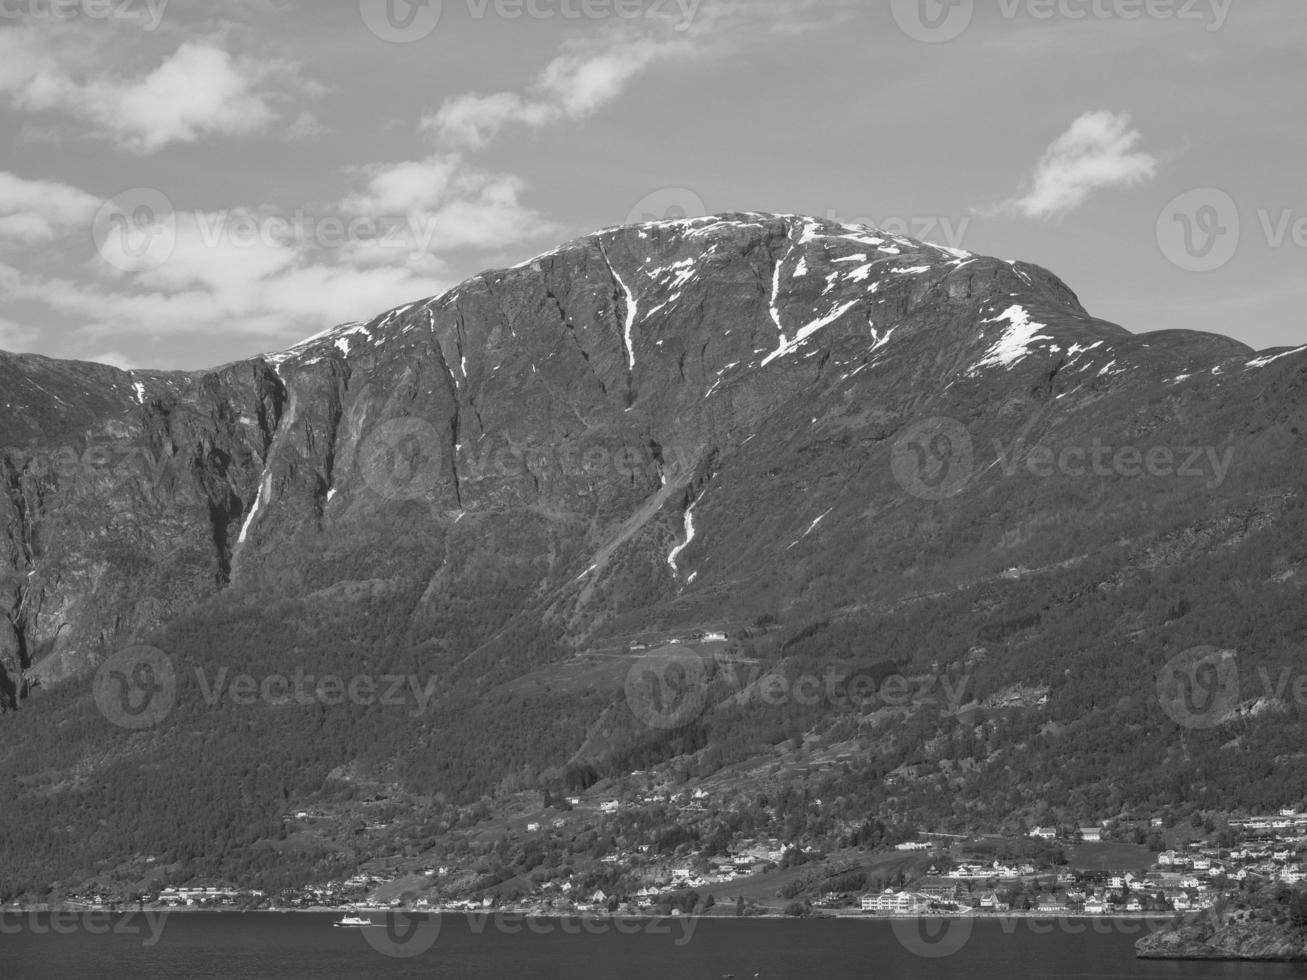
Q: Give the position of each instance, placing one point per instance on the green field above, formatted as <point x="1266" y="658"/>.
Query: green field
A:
<point x="1110" y="857"/>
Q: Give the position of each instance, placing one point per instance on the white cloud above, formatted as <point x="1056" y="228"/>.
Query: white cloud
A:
<point x="592" y="71"/>
<point x="473" y="120"/>
<point x="15" y="337"/>
<point x="289" y="304"/>
<point x="114" y="359"/>
<point x="586" y="76"/>
<point x="581" y="80"/>
<point x="394" y="188"/>
<point x="32" y="210"/>
<point x="259" y="271"/>
<point x="444" y="203"/>
<point x="198" y="90"/>
<point x="1094" y="154"/>
<point x="436" y="207"/>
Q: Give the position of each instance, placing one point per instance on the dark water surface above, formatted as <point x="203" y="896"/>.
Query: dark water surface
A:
<point x="253" y="946"/>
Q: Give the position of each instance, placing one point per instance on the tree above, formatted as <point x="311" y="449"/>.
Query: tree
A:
<point x="1298" y="909"/>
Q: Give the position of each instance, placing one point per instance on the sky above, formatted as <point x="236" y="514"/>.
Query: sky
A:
<point x="186" y="183"/>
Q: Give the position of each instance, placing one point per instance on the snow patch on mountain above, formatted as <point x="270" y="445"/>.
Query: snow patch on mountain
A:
<point x="338" y="336"/>
<point x="264" y="486"/>
<point x="787" y="346"/>
<point x="1014" y="344"/>
<point x="811" y="527"/>
<point x="632" y="311"/>
<point x="675" y="553"/>
<point x="1262" y="362"/>
<point x="878" y="341"/>
<point x="680" y="273"/>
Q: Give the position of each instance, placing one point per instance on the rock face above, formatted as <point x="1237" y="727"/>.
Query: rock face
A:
<point x="828" y="442"/>
<point x="646" y="382"/>
<point x="1231" y="938"/>
<point x="120" y="497"/>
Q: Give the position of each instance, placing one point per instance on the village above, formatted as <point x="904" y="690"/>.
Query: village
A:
<point x="1268" y="850"/>
<point x="926" y="875"/>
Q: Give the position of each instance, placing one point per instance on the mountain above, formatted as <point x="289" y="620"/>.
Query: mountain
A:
<point x="852" y="453"/>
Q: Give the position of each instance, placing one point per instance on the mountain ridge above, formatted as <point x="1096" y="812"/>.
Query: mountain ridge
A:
<point x="762" y="244"/>
<point x="848" y="450"/>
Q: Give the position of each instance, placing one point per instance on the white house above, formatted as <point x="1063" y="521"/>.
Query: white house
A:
<point x="895" y="903"/>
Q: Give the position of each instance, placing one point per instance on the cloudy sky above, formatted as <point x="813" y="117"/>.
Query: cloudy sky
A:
<point x="188" y="182"/>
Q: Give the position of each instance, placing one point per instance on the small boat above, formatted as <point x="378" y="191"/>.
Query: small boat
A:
<point x="352" y="921"/>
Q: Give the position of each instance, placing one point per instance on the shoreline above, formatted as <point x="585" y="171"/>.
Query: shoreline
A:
<point x="854" y="916"/>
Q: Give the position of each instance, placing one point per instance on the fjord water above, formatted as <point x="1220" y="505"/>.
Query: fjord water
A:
<point x="254" y="946"/>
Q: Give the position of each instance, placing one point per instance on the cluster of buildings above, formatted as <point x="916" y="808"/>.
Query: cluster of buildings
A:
<point x="707" y="636"/>
<point x="684" y="801"/>
<point x="1113" y="898"/>
<point x="207" y="896"/>
<point x="745" y="859"/>
<point x="997" y="869"/>
<point x="1268" y="850"/>
<point x="1287" y="821"/>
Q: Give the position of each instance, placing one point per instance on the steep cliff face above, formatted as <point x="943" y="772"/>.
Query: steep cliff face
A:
<point x="677" y="412"/>
<point x="122" y="496"/>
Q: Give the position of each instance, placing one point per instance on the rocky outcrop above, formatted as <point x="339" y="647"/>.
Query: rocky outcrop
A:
<point x="110" y="530"/>
<point x="1230" y="937"/>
